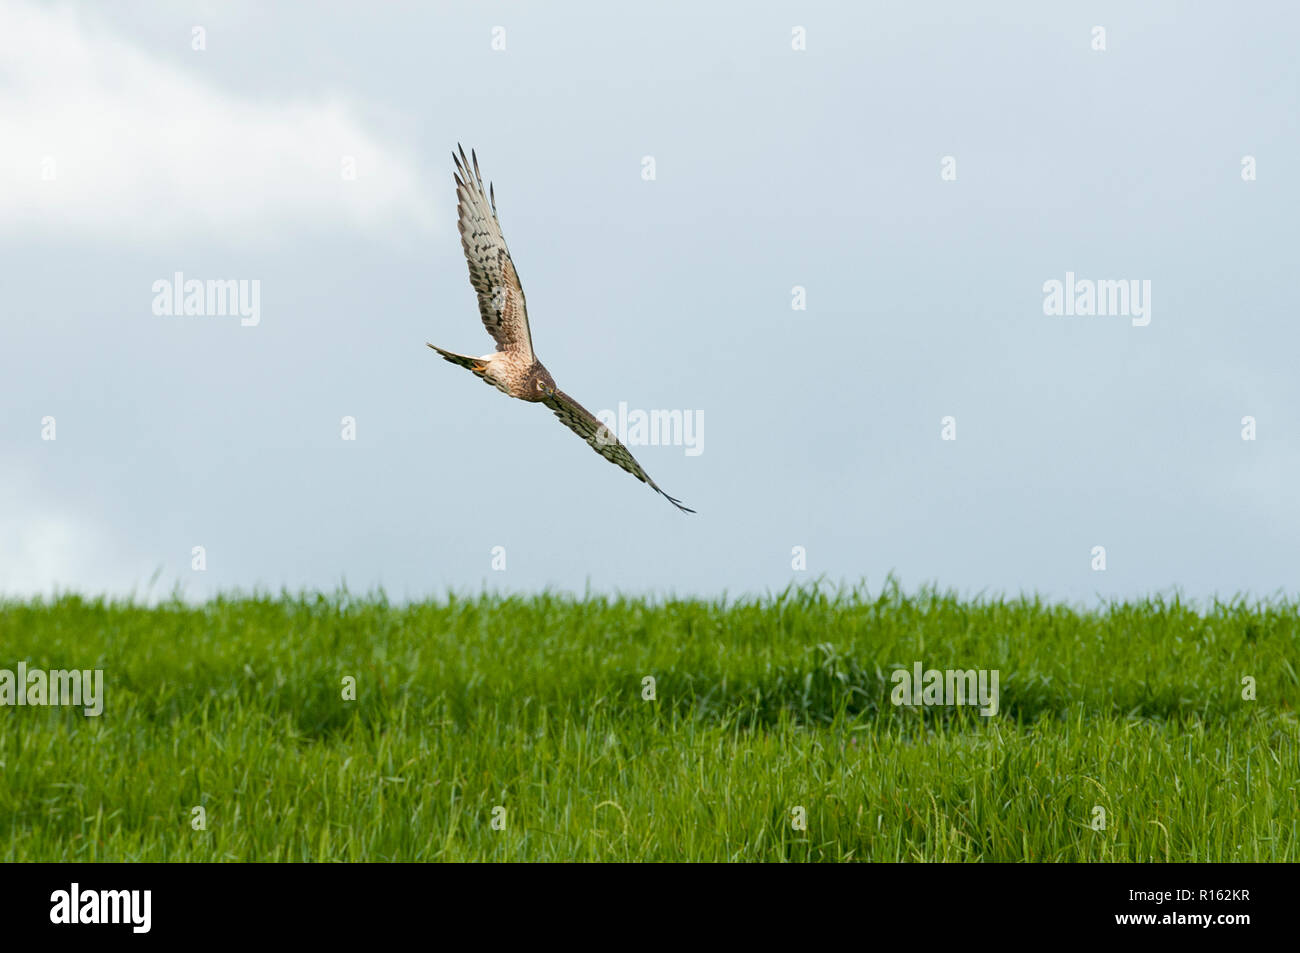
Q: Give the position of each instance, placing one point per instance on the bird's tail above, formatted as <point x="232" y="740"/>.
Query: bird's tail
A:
<point x="472" y="364"/>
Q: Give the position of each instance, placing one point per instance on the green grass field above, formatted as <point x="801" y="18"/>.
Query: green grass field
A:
<point x="535" y="705"/>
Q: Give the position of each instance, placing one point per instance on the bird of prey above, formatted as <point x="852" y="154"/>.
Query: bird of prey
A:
<point x="513" y="368"/>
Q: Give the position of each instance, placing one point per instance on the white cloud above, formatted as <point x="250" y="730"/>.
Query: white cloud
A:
<point x="143" y="149"/>
<point x="47" y="551"/>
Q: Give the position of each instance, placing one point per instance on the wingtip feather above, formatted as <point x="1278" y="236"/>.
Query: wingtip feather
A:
<point x="677" y="503"/>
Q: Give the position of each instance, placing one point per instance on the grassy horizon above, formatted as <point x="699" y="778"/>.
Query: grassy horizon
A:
<point x="763" y="705"/>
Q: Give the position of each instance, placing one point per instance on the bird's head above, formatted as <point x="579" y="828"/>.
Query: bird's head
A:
<point x="543" y="384"/>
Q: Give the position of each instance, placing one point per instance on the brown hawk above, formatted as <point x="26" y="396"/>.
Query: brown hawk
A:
<point x="513" y="368"/>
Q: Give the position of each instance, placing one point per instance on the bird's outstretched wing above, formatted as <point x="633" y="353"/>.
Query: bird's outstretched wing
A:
<point x="491" y="272"/>
<point x="582" y="422"/>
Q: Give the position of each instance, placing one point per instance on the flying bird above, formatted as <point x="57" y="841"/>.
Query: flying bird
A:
<point x="513" y="368"/>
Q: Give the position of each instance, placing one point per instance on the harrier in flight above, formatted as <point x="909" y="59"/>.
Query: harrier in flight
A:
<point x="513" y="368"/>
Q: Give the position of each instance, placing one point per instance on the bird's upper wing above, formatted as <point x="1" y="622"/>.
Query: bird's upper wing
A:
<point x="491" y="272"/>
<point x="582" y="422"/>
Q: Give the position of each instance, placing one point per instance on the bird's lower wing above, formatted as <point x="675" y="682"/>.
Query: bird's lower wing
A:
<point x="601" y="439"/>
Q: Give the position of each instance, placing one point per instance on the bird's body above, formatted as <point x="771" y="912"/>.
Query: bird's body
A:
<point x="513" y="368"/>
<point x="511" y="373"/>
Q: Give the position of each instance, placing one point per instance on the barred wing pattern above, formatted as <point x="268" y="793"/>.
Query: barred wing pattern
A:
<point x="500" y="296"/>
<point x="582" y="422"/>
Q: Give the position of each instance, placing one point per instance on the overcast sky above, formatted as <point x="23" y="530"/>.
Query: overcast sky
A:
<point x="128" y="155"/>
